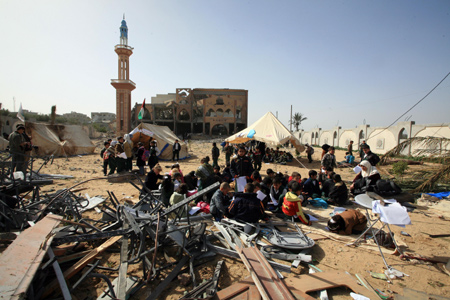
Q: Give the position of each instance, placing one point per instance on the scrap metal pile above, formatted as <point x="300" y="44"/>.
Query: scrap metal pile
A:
<point x="61" y="248"/>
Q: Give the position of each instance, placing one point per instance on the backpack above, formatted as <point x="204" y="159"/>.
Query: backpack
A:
<point x="387" y="188"/>
<point x="145" y="155"/>
<point x="312" y="150"/>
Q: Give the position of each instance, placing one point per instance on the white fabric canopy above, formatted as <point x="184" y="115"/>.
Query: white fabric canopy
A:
<point x="59" y="140"/>
<point x="163" y="136"/>
<point x="267" y="129"/>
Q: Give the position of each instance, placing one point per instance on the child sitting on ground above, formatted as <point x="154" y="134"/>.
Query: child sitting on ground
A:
<point x="311" y="188"/>
<point x="339" y="192"/>
<point x="349" y="158"/>
<point x="292" y="203"/>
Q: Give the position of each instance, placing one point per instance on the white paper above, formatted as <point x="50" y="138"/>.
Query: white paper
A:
<point x="194" y="210"/>
<point x="357" y="169"/>
<point x="338" y="210"/>
<point x="376" y="204"/>
<point x="241" y="182"/>
<point x="358" y="297"/>
<point x="312" y="218"/>
<point x="122" y="155"/>
<point x="274" y="201"/>
<point x="395" y="214"/>
<point x="260" y="195"/>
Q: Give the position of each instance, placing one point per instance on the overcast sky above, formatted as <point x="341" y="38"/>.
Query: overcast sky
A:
<point x="337" y="62"/>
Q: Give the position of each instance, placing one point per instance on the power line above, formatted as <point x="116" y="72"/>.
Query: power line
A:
<point x="412" y="106"/>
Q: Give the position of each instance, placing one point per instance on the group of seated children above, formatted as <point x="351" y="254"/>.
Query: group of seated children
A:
<point x="277" y="156"/>
<point x="278" y="193"/>
<point x="329" y="187"/>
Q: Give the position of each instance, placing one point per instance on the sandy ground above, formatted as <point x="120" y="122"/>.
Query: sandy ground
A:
<point x="327" y="254"/>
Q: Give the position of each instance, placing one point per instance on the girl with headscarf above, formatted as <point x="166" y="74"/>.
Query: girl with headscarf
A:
<point x="366" y="179"/>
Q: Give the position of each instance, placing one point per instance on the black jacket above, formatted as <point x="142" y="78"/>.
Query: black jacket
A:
<point x="246" y="207"/>
<point x="241" y="166"/>
<point x="339" y="193"/>
<point x="372" y="158"/>
<point x="311" y="187"/>
<point x="327" y="186"/>
<point x="152" y="179"/>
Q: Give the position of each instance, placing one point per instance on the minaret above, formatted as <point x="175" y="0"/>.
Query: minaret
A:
<point x="123" y="84"/>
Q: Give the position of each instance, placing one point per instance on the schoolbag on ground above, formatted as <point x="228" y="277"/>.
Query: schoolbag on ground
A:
<point x="387" y="188"/>
<point x="145" y="155"/>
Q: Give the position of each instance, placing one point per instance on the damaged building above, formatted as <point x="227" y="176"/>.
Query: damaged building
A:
<point x="197" y="111"/>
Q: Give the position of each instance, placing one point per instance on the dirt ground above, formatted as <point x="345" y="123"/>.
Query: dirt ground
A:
<point x="327" y="254"/>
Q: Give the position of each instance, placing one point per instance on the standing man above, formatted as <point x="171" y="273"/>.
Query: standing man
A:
<point x="215" y="153"/>
<point x="361" y="152"/>
<point x="154" y="152"/>
<point x="329" y="160"/>
<point x="242" y="165"/>
<point x="350" y="148"/>
<point x="309" y="152"/>
<point x="176" y="150"/>
<point x="369" y="155"/>
<point x="228" y="152"/>
<point x="17" y="145"/>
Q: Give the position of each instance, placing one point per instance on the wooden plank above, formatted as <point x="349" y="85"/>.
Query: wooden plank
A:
<point x="81" y="264"/>
<point x="20" y="261"/>
<point x="300" y="285"/>
<point x="235" y="291"/>
<point x="265" y="278"/>
<point x="123" y="269"/>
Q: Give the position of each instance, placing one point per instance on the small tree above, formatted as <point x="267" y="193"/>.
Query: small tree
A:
<point x="399" y="168"/>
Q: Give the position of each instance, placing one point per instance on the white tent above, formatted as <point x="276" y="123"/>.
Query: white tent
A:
<point x="267" y="129"/>
<point x="59" y="140"/>
<point x="164" y="137"/>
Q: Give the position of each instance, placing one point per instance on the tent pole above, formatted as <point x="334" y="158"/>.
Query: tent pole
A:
<point x="282" y="145"/>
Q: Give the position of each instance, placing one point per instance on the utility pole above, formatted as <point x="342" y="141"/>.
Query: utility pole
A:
<point x="290" y="122"/>
<point x="14" y="101"/>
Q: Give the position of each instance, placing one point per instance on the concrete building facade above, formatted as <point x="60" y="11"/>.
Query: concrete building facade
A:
<point x="380" y="139"/>
<point x="197" y="111"/>
<point x="123" y="84"/>
<point x="102" y="117"/>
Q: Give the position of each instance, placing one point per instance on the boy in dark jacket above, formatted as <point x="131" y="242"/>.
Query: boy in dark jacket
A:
<point x="339" y="192"/>
<point x="311" y="188"/>
<point x="246" y="206"/>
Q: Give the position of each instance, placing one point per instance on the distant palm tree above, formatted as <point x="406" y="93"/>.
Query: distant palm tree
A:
<point x="297" y="119"/>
